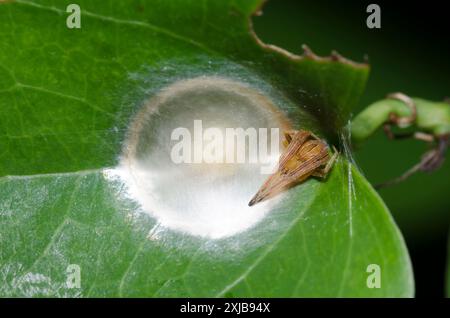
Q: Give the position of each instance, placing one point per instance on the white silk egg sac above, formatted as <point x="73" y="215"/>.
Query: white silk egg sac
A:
<point x="166" y="164"/>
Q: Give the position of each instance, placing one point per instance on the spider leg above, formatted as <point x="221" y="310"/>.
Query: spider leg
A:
<point x="288" y="135"/>
<point x="400" y="121"/>
<point x="323" y="172"/>
<point x="430" y="161"/>
<point x="406" y="120"/>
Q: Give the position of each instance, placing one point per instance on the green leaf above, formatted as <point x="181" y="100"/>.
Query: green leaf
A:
<point x="312" y="245"/>
<point x="68" y="98"/>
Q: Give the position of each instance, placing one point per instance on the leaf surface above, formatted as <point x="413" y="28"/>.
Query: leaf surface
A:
<point x="67" y="97"/>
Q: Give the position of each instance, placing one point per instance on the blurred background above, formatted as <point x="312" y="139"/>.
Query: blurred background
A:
<point x="410" y="54"/>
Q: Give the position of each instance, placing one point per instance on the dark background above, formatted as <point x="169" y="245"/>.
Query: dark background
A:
<point x="410" y="54"/>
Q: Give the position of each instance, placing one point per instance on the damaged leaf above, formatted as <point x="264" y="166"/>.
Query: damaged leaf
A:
<point x="67" y="97"/>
